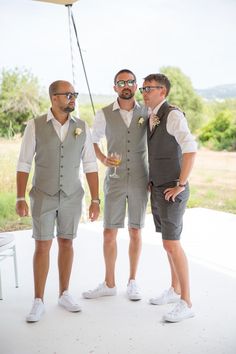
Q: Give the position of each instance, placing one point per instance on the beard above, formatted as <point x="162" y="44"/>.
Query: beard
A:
<point x="68" y="109"/>
<point x="126" y="94"/>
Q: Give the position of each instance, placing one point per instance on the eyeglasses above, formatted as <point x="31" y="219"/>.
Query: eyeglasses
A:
<point x="122" y="83"/>
<point x="68" y="95"/>
<point x="149" y="88"/>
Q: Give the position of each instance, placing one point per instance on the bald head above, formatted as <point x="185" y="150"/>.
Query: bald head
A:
<point x="58" y="86"/>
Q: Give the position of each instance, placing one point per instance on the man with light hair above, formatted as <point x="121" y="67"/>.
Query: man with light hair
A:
<point x="171" y="154"/>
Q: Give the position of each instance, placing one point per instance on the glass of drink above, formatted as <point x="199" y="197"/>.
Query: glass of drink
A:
<point x="117" y="160"/>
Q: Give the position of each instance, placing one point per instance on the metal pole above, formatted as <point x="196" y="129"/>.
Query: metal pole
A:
<point x="71" y="46"/>
<point x="82" y="60"/>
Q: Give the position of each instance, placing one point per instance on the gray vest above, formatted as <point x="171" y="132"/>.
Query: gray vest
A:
<point x="130" y="142"/>
<point x="164" y="153"/>
<point x="57" y="163"/>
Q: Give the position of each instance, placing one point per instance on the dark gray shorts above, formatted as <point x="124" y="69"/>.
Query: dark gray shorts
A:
<point x="168" y="216"/>
<point x="60" y="210"/>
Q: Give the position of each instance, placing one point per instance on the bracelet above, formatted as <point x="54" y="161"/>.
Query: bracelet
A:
<point x="20" y="199"/>
<point x="182" y="185"/>
<point x="96" y="201"/>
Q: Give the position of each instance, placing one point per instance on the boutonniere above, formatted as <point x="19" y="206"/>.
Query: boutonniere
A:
<point x="155" y="121"/>
<point x="77" y="131"/>
<point x="140" y="121"/>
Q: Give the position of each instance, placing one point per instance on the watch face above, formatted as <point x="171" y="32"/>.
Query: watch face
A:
<point x="95" y="201"/>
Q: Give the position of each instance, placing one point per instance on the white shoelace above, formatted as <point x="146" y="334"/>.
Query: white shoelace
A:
<point x="134" y="288"/>
<point x="179" y="307"/>
<point x="36" y="306"/>
<point x="98" y="289"/>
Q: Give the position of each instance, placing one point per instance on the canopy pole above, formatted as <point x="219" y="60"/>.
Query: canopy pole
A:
<point x="71" y="46"/>
<point x="81" y="56"/>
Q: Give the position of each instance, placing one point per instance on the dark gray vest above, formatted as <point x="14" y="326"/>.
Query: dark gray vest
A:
<point x="164" y="153"/>
<point x="57" y="163"/>
<point x="130" y="142"/>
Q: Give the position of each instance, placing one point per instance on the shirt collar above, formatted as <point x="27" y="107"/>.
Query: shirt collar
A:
<point x="50" y="116"/>
<point x="156" y="109"/>
<point x="116" y="105"/>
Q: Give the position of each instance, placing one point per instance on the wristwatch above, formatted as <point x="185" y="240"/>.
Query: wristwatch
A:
<point x="96" y="201"/>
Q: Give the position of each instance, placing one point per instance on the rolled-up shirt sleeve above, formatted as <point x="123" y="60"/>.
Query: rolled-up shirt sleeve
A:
<point x="89" y="159"/>
<point x="27" y="150"/>
<point x="178" y="127"/>
<point x="99" y="126"/>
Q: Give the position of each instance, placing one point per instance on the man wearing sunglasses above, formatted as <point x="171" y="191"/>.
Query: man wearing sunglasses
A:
<point x="123" y="123"/>
<point x="58" y="142"/>
<point x="171" y="153"/>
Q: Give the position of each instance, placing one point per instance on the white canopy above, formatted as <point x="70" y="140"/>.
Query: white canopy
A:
<point x="60" y="2"/>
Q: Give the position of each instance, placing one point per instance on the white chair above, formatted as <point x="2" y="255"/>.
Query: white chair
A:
<point x="8" y="249"/>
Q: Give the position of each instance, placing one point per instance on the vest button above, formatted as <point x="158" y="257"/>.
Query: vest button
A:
<point x="61" y="175"/>
<point x="128" y="141"/>
<point x="128" y="159"/>
<point x="60" y="185"/>
<point x="62" y="146"/>
<point x="128" y="132"/>
<point x="128" y="150"/>
<point x="61" y="166"/>
<point x="62" y="156"/>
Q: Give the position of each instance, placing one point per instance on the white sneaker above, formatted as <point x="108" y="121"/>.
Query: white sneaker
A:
<point x="67" y="301"/>
<point x="167" y="297"/>
<point x="101" y="290"/>
<point x="36" y="312"/>
<point x="180" y="312"/>
<point x="133" y="291"/>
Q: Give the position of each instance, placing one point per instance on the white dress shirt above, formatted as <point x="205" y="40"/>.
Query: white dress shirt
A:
<point x="28" y="145"/>
<point x="177" y="126"/>
<point x="99" y="126"/>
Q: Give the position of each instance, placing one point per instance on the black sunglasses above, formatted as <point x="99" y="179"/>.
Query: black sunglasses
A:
<point x="149" y="88"/>
<point x="68" y="95"/>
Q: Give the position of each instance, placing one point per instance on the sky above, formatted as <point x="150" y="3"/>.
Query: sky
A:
<point x="197" y="36"/>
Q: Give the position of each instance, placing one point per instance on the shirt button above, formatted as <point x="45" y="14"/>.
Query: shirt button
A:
<point x="62" y="146"/>
<point x="62" y="156"/>
<point x="61" y="166"/>
<point x="60" y="185"/>
<point x="61" y="175"/>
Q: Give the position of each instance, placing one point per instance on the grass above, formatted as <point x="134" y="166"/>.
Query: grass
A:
<point x="212" y="184"/>
<point x="213" y="181"/>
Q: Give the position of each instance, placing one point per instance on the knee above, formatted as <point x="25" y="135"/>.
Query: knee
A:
<point x="42" y="247"/>
<point x="109" y="237"/>
<point x="64" y="244"/>
<point x="171" y="247"/>
<point x="135" y="234"/>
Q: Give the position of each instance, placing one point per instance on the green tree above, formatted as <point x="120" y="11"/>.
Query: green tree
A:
<point x="20" y="99"/>
<point x="183" y="95"/>
<point x="86" y="112"/>
<point x="220" y="132"/>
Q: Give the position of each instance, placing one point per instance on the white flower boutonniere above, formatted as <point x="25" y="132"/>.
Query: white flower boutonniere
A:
<point x="77" y="132"/>
<point x="155" y="121"/>
<point x="140" y="121"/>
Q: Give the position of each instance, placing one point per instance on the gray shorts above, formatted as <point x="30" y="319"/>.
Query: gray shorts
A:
<point x="168" y="215"/>
<point x="60" y="210"/>
<point x="123" y="193"/>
